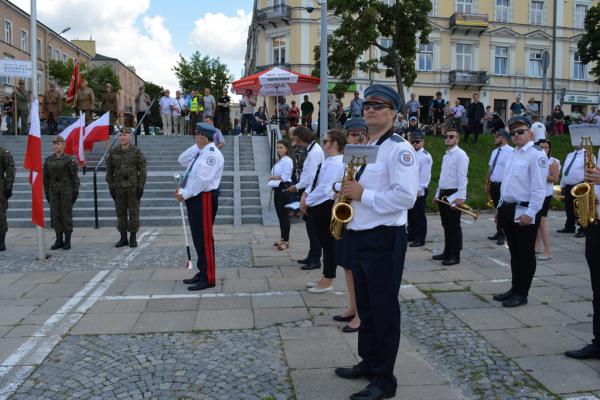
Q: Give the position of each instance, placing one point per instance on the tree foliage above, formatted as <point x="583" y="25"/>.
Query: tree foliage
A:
<point x="202" y="72"/>
<point x="589" y="44"/>
<point x="155" y="92"/>
<point x="364" y="23"/>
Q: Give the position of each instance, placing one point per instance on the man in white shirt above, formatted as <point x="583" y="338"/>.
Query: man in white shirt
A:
<point x="166" y="112"/>
<point x="495" y="173"/>
<point x="521" y="199"/>
<point x="178" y="108"/>
<point x="538" y="129"/>
<point x="573" y="174"/>
<point x="209" y="104"/>
<point x="458" y="111"/>
<point x="417" y="221"/>
<point x="248" y="102"/>
<point x="452" y="187"/>
<point x="199" y="188"/>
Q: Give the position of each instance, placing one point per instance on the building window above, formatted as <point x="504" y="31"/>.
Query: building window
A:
<point x="502" y="10"/>
<point x="535" y="63"/>
<point x="56" y="54"/>
<point x="49" y="53"/>
<point x="580" y="13"/>
<point x="432" y="12"/>
<point x="464" y="6"/>
<point x="536" y="12"/>
<point x="65" y="58"/>
<point x="425" y="57"/>
<point x="38" y="47"/>
<point x="501" y="61"/>
<point x="578" y="67"/>
<point x="385" y="43"/>
<point x="39" y="82"/>
<point x="279" y="45"/>
<point x="8" y="32"/>
<point x="464" y="56"/>
<point x="23" y="40"/>
<point x="500" y="108"/>
<point x="7" y="80"/>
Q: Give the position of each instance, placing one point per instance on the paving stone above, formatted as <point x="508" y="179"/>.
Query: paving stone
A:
<point x="172" y="304"/>
<point x="172" y="321"/>
<point x="8" y="346"/>
<point x="315" y="333"/>
<point x="225" y="303"/>
<point x="326" y="300"/>
<point x="460" y="300"/>
<point x="224" y="319"/>
<point x="245" y="285"/>
<point x="322" y="384"/>
<point x="54" y="290"/>
<point x="555" y="341"/>
<point x="10" y="315"/>
<point x="550" y="371"/>
<point x="15" y="290"/>
<point x="50" y="306"/>
<point x="288" y="300"/>
<point x="320" y="353"/>
<point x="580" y="311"/>
<point x="271" y="316"/>
<point x="105" y="323"/>
<point x="539" y="315"/>
<point x="150" y="287"/>
<point x="487" y="318"/>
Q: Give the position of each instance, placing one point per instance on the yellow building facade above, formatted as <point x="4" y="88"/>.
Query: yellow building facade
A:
<point x="491" y="47"/>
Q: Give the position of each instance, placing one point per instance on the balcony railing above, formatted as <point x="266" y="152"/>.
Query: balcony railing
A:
<point x="467" y="78"/>
<point x="468" y="22"/>
<point x="280" y="11"/>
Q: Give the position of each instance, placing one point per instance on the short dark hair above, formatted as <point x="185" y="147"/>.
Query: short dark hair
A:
<point x="209" y="117"/>
<point x="339" y="137"/>
<point x="303" y="133"/>
<point x="438" y="93"/>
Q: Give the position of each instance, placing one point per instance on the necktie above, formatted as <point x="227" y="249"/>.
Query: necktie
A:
<point x="314" y="182"/>
<point x="570" y="164"/>
<point x="187" y="174"/>
<point x="362" y="167"/>
<point x="495" y="161"/>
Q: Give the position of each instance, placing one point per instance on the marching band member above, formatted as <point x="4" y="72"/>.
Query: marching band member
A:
<point x="417" y="221"/>
<point x="495" y="173"/>
<point x="282" y="171"/>
<point x="543" y="236"/>
<point x="572" y="175"/>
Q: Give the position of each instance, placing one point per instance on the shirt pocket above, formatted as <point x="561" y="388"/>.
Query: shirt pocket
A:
<point x="374" y="170"/>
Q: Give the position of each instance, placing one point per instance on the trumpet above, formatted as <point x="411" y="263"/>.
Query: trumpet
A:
<point x="463" y="208"/>
<point x="490" y="202"/>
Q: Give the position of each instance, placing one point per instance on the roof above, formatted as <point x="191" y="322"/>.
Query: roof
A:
<point x="100" y="57"/>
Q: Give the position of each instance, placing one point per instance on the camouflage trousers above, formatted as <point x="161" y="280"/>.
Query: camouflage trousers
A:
<point x="126" y="202"/>
<point x="3" y="208"/>
<point x="61" y="211"/>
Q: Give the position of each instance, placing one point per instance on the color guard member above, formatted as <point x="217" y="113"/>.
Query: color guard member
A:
<point x="417" y="221"/>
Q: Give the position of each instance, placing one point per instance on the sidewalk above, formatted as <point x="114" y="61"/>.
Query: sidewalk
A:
<point x="98" y="322"/>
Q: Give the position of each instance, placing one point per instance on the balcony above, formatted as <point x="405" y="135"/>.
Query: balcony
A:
<point x="468" y="22"/>
<point x="272" y="14"/>
<point x="467" y="78"/>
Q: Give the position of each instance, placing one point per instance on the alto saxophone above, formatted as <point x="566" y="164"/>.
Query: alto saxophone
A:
<point x="342" y="211"/>
<point x="585" y="198"/>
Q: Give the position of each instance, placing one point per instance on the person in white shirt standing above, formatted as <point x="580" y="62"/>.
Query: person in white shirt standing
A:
<point x="538" y="129"/>
<point x="453" y="187"/>
<point x="458" y="112"/>
<point x="543" y="236"/>
<point x="199" y="188"/>
<point x="178" y="110"/>
<point x="573" y="174"/>
<point x="282" y="171"/>
<point x="248" y="102"/>
<point x="317" y="202"/>
<point x="209" y="104"/>
<point x="166" y="112"/>
<point x="304" y="137"/>
<point x="496" y="167"/>
<point x="521" y="198"/>
<point x="417" y="221"/>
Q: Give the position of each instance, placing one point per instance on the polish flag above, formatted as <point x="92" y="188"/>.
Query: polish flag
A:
<point x="97" y="131"/>
<point x="33" y="162"/>
<point x="73" y="135"/>
<point x="74" y="85"/>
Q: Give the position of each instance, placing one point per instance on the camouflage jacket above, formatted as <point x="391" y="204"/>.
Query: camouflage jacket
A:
<point x="7" y="170"/>
<point x="126" y="167"/>
<point x="60" y="174"/>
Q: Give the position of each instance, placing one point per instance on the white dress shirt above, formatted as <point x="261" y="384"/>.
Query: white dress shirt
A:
<point x="525" y="178"/>
<point x="539" y="131"/>
<point x="165" y="104"/>
<point x="425" y="164"/>
<point x="332" y="171"/>
<point x="576" y="173"/>
<point x="498" y="171"/>
<point x="314" y="157"/>
<point x="206" y="172"/>
<point x="390" y="187"/>
<point x="455" y="168"/>
<point x="178" y="104"/>
<point x="284" y="168"/>
<point x="550" y="185"/>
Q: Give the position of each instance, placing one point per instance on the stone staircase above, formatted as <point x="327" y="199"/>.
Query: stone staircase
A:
<point x="240" y="201"/>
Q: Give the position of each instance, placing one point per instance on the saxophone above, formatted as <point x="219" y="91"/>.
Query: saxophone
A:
<point x="585" y="198"/>
<point x="342" y="211"/>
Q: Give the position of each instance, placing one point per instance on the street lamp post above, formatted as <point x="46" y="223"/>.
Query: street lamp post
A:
<point x="323" y="118"/>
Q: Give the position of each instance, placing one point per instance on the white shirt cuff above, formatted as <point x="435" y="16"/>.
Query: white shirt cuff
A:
<point x="368" y="198"/>
<point x="530" y="213"/>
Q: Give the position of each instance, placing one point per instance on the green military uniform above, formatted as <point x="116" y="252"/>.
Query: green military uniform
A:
<point x="7" y="178"/>
<point x="52" y="106"/>
<point x="126" y="177"/>
<point x="110" y="103"/>
<point x="86" y="102"/>
<point x="22" y="102"/>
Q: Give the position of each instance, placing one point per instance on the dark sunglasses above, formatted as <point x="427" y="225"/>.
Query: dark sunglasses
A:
<point x="413" y="141"/>
<point x="448" y="136"/>
<point x="518" y="132"/>
<point x="374" y="106"/>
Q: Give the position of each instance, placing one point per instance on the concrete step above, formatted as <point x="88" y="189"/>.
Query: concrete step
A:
<point x="112" y="221"/>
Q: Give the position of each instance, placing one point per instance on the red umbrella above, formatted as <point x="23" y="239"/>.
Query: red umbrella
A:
<point x="276" y="82"/>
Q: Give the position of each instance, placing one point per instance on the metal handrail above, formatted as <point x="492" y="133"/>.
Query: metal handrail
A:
<point x="103" y="158"/>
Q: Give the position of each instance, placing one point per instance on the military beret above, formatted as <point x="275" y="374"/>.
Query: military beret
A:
<point x="58" y="138"/>
<point x="504" y="133"/>
<point x="518" y="120"/>
<point x="384" y="92"/>
<point x="417" y="135"/>
<point x="205" y="129"/>
<point x="355" y="123"/>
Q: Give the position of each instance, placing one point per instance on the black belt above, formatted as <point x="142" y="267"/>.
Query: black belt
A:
<point x="447" y="192"/>
<point x="496" y="183"/>
<point x="516" y="204"/>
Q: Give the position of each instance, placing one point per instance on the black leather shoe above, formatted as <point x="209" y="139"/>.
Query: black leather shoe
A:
<point x="500" y="241"/>
<point x="192" y="281"/>
<point x="308" y="267"/>
<point x="580" y="234"/>
<point x="354" y="372"/>
<point x="58" y="243"/>
<point x="304" y="261"/>
<point x="565" y="230"/>
<point x="451" y="261"/>
<point x="516" y="300"/>
<point x="417" y="244"/>
<point x="503" y="296"/>
<point x="589" y="351"/>
<point x="439" y="257"/>
<point x="67" y="244"/>
<point x="123" y="241"/>
<point x="132" y="240"/>
<point x="495" y="237"/>
<point x="339" y="318"/>
<point x="349" y="329"/>
<point x="371" y="392"/>
<point x="200" y="286"/>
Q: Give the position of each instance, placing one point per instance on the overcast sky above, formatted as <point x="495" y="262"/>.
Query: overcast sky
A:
<point x="150" y="35"/>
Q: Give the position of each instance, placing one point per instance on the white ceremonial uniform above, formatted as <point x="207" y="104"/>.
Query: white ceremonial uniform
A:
<point x="455" y="168"/>
<point x="314" y="157"/>
<point x="284" y="167"/>
<point x="575" y="174"/>
<point x="332" y="171"/>
<point x="498" y="171"/>
<point x="206" y="172"/>
<point x="531" y="163"/>
<point x="539" y="131"/>
<point x="425" y="163"/>
<point x="390" y="187"/>
<point x="550" y="185"/>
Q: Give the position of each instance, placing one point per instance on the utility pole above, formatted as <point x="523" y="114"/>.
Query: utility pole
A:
<point x="323" y="118"/>
<point x="553" y="83"/>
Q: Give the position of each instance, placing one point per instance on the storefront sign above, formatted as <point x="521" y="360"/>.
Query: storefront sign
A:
<point x="16" y="68"/>
<point x="580" y="99"/>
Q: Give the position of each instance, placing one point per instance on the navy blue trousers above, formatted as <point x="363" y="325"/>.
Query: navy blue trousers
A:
<point x="417" y="221"/>
<point x="202" y="210"/>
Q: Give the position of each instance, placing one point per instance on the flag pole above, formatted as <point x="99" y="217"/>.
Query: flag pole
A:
<point x="34" y="94"/>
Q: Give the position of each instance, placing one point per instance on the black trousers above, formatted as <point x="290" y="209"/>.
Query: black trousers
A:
<point x="569" y="208"/>
<point x="321" y="216"/>
<point x="474" y="127"/>
<point x="202" y="210"/>
<point x="314" y="251"/>
<point x="281" y="199"/>
<point x="247" y="123"/>
<point x="521" y="244"/>
<point x="451" y="224"/>
<point x="592" y="255"/>
<point x="145" y="123"/>
<point x="377" y="267"/>
<point x="417" y="221"/>
<point x="495" y="194"/>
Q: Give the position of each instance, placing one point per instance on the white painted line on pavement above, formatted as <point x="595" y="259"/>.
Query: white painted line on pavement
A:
<point x="21" y="373"/>
<point x="582" y="398"/>
<point x="103" y="287"/>
<point x="500" y="263"/>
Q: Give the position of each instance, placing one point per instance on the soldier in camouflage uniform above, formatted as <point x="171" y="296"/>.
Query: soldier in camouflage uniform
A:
<point x="61" y="185"/>
<point x="110" y="103"/>
<point x="7" y="178"/>
<point x="22" y="98"/>
<point x="126" y="177"/>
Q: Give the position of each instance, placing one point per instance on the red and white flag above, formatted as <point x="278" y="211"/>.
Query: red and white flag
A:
<point x="33" y="162"/>
<point x="73" y="135"/>
<point x="74" y="85"/>
<point x="97" y="131"/>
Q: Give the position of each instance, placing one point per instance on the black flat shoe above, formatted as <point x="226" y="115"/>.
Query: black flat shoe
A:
<point x="193" y="280"/>
<point x="308" y="267"/>
<point x="354" y="372"/>
<point x="451" y="261"/>
<point x="503" y="296"/>
<point x="515" y="301"/>
<point x="339" y="318"/>
<point x="439" y="257"/>
<point x="349" y="329"/>
<point x="200" y="286"/>
<point x="589" y="351"/>
<point x="565" y="230"/>
<point x="495" y="237"/>
<point x="304" y="261"/>
<point x="417" y="244"/>
<point x="371" y="392"/>
<point x="580" y="234"/>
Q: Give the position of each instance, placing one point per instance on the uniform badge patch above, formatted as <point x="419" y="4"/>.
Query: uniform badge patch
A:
<point x="543" y="162"/>
<point x="406" y="158"/>
<point x="211" y="161"/>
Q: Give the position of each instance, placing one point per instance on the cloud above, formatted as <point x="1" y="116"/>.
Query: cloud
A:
<point x="219" y="35"/>
<point x="121" y="29"/>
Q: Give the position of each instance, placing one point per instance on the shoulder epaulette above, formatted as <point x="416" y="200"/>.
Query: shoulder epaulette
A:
<point x="425" y="152"/>
<point x="212" y="148"/>
<point x="397" y="138"/>
<point x="535" y="146"/>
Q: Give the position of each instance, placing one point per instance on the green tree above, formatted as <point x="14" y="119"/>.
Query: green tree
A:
<point x="61" y="72"/>
<point x="155" y="92"/>
<point x="589" y="44"/>
<point x="202" y="72"/>
<point x="393" y="29"/>
<point x="97" y="78"/>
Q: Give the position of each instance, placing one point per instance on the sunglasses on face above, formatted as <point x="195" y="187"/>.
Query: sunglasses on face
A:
<point x="448" y="136"/>
<point x="415" y="141"/>
<point x="374" y="106"/>
<point x="518" y="132"/>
